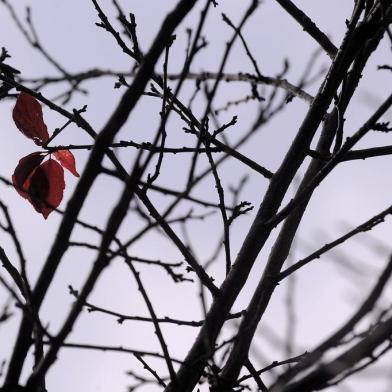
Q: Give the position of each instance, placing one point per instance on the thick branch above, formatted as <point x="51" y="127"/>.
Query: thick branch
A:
<point x="310" y="27"/>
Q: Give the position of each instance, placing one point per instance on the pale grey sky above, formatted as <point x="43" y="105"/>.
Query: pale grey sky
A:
<point x="352" y="194"/>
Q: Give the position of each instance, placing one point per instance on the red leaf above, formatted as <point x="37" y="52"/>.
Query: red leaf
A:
<point x="23" y="171"/>
<point x="27" y="115"/>
<point x="46" y="187"/>
<point x="38" y="189"/>
<point x="67" y="160"/>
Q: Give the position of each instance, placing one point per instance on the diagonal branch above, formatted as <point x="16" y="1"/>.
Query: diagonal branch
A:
<point x="318" y="378"/>
<point x="310" y="27"/>
<point x="367" y="305"/>
<point x="114" y="124"/>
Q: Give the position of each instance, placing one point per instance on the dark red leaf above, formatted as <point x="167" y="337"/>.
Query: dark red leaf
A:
<point x="46" y="187"/>
<point x="25" y="168"/>
<point x="27" y="115"/>
<point x="38" y="189"/>
<point x="67" y="160"/>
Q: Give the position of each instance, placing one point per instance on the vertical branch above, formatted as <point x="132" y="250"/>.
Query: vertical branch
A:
<point x="222" y="206"/>
<point x="164" y="115"/>
<point x="251" y="9"/>
<point x="158" y="331"/>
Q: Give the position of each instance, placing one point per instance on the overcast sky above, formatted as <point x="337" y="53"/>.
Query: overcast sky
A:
<point x="350" y="195"/>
